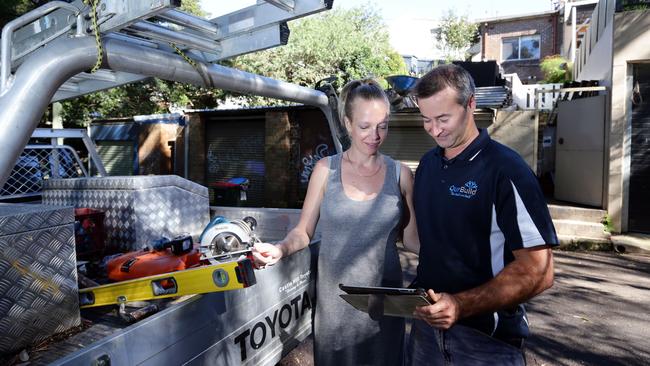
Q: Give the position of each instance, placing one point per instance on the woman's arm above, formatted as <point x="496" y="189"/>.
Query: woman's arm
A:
<point x="410" y="236"/>
<point x="300" y="236"/>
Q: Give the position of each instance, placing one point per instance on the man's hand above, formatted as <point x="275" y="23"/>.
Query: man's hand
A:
<point x="528" y="275"/>
<point x="443" y="313"/>
<point x="266" y="254"/>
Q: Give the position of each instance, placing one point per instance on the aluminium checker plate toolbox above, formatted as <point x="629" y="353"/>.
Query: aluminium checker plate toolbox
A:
<point x="138" y="209"/>
<point x="38" y="277"/>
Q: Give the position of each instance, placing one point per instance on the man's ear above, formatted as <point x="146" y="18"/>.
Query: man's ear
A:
<point x="471" y="103"/>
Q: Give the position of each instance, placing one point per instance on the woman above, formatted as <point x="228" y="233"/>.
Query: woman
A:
<point x="362" y="200"/>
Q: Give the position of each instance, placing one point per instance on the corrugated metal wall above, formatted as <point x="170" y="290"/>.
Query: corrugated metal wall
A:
<point x="407" y="141"/>
<point x="118" y="156"/>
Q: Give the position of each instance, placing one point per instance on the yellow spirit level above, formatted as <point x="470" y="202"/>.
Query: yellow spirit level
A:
<point x="225" y="276"/>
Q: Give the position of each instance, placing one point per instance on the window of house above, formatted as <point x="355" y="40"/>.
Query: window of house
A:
<point x="520" y="48"/>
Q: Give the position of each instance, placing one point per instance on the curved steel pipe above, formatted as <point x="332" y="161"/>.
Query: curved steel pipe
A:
<point x="43" y="72"/>
<point x="34" y="85"/>
<point x="122" y="56"/>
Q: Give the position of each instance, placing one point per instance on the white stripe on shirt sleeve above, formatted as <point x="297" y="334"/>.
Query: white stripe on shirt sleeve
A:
<point x="497" y="241"/>
<point x="530" y="235"/>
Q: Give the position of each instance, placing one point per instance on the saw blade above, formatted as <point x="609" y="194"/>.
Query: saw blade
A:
<point x="225" y="242"/>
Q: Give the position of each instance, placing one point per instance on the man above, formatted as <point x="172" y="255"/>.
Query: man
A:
<point x="485" y="234"/>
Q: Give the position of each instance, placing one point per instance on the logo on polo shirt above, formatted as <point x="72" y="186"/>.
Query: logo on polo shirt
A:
<point x="467" y="191"/>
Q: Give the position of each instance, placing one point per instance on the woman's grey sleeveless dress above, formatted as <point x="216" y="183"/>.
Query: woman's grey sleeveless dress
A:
<point x="357" y="249"/>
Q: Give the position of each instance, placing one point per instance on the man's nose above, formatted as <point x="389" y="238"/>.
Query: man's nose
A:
<point x="433" y="128"/>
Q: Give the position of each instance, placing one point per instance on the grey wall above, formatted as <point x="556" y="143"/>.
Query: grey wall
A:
<point x="516" y="130"/>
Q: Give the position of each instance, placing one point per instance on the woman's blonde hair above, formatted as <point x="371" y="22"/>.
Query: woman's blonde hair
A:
<point x="368" y="89"/>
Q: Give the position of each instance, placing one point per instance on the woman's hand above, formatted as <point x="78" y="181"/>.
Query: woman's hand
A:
<point x="266" y="254"/>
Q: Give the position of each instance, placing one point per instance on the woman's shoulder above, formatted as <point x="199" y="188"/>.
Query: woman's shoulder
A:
<point x="389" y="160"/>
<point x="328" y="163"/>
<point x="324" y="163"/>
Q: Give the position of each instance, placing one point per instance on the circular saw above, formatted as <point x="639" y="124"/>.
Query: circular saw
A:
<point x="224" y="239"/>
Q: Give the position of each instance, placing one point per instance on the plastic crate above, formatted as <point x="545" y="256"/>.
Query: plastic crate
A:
<point x="89" y="233"/>
<point x="230" y="193"/>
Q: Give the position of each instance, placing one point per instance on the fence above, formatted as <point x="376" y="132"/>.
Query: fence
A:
<point x="523" y="95"/>
<point x="602" y="16"/>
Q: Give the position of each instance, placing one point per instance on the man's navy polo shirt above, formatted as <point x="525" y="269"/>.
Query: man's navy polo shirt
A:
<point x="472" y="211"/>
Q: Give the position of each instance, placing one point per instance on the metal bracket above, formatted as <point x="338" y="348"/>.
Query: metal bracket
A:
<point x="40" y="20"/>
<point x="120" y="14"/>
<point x="287" y="5"/>
<point x="85" y="83"/>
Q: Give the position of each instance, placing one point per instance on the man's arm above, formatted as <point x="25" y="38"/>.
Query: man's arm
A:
<point x="530" y="273"/>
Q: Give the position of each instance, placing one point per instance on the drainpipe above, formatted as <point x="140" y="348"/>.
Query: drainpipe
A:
<point x="483" y="41"/>
<point x="573" y="34"/>
<point x="554" y="30"/>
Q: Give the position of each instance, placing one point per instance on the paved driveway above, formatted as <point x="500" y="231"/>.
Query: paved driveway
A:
<point x="597" y="313"/>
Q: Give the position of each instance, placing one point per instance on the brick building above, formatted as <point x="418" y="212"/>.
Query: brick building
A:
<point x="519" y="43"/>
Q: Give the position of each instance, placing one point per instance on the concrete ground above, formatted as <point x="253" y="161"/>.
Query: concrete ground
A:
<point x="631" y="243"/>
<point x="597" y="313"/>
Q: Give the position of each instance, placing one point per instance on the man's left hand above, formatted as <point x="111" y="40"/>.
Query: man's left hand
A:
<point x="443" y="313"/>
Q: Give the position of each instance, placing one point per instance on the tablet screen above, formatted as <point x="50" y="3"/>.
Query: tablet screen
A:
<point x="367" y="290"/>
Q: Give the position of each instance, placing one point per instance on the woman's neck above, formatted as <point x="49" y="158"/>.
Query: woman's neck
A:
<point x="363" y="164"/>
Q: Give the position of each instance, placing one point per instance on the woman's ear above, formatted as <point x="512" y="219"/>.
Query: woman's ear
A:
<point x="347" y="123"/>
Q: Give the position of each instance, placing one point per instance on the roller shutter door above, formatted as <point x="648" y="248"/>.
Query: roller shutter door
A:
<point x="639" y="195"/>
<point x="118" y="156"/>
<point x="407" y="141"/>
<point x="235" y="148"/>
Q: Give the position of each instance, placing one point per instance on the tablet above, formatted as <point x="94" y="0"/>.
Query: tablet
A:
<point x="388" y="301"/>
<point x="397" y="291"/>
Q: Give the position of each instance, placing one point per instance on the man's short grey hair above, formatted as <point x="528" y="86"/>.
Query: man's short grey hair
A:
<point x="444" y="76"/>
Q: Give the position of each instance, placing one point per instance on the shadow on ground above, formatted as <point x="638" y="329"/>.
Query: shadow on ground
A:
<point x="597" y="313"/>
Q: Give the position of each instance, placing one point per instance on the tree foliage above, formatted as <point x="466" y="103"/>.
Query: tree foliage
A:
<point x="455" y="35"/>
<point x="555" y="69"/>
<point x="192" y="7"/>
<point x="10" y="9"/>
<point x="349" y="44"/>
<point x="346" y="43"/>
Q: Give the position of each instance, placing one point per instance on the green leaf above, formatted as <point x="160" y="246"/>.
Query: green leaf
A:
<point x="455" y="35"/>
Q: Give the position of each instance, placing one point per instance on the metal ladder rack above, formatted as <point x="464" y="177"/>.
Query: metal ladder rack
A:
<point x="153" y="24"/>
<point x="46" y="55"/>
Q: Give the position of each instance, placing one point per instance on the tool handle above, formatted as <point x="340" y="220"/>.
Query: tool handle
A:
<point x="135" y="315"/>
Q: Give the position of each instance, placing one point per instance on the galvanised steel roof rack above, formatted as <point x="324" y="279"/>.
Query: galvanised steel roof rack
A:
<point x="47" y="53"/>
